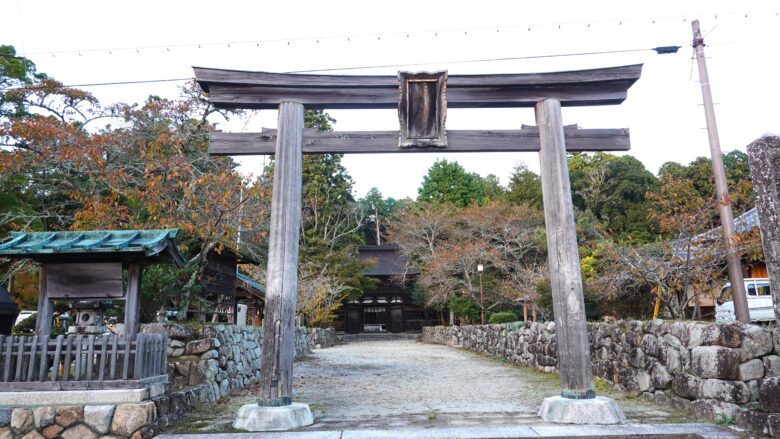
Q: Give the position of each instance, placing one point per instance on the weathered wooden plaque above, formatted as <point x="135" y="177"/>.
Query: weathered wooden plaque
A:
<point x="84" y="281"/>
<point x="422" y="109"/>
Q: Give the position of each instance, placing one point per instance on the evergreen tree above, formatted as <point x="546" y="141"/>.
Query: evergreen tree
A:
<point x="525" y="187"/>
<point x="378" y="211"/>
<point x="448" y="182"/>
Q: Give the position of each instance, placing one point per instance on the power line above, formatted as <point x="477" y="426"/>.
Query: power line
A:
<point x="661" y="50"/>
<point x="378" y="36"/>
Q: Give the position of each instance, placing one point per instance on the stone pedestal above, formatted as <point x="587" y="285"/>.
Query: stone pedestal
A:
<point x="253" y="417"/>
<point x="598" y="410"/>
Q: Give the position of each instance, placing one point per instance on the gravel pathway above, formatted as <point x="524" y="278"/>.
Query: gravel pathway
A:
<point x="404" y="383"/>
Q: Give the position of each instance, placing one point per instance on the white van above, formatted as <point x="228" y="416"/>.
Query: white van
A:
<point x="759" y="302"/>
<point x="24" y="314"/>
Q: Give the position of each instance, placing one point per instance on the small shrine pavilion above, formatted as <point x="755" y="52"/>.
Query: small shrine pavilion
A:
<point x="91" y="267"/>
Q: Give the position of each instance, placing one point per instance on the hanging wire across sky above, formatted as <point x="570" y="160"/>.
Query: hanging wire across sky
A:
<point x="661" y="50"/>
<point x="407" y="34"/>
<point x="562" y="25"/>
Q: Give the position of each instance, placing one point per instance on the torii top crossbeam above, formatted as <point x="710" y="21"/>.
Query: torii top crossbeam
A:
<point x="264" y="90"/>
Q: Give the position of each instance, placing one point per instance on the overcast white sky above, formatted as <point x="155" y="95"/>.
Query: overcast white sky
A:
<point x="85" y="42"/>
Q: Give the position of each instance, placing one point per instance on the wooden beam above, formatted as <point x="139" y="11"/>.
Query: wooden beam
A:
<point x="268" y="98"/>
<point x="373" y="142"/>
<point x="45" y="307"/>
<point x="563" y="258"/>
<point x="133" y="300"/>
<point x="208" y="76"/>
<point x="264" y="90"/>
<point x="278" y="351"/>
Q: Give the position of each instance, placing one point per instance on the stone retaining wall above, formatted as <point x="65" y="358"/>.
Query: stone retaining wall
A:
<point x="204" y="365"/>
<point x="82" y="422"/>
<point x="322" y="338"/>
<point x="225" y="357"/>
<point x="715" y="371"/>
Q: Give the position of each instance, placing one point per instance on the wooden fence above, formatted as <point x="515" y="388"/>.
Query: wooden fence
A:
<point x="82" y="362"/>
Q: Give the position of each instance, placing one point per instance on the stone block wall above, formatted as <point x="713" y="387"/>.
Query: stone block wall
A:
<point x="322" y="338"/>
<point x="79" y="422"/>
<point x="224" y="357"/>
<point x="204" y="365"/>
<point x="714" y="371"/>
<point x="129" y="420"/>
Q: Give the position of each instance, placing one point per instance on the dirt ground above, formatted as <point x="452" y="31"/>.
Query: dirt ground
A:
<point x="404" y="383"/>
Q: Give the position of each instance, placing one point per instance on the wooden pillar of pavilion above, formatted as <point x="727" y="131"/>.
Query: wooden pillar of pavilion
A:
<point x="45" y="309"/>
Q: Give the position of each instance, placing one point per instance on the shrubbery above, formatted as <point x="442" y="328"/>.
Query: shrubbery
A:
<point x="502" y="317"/>
<point x="26" y="326"/>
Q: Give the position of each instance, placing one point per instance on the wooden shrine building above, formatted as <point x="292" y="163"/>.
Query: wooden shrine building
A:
<point x="224" y="287"/>
<point x="390" y="307"/>
<point x="250" y="293"/>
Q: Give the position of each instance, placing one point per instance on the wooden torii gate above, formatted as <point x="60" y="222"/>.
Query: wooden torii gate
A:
<point x="422" y="100"/>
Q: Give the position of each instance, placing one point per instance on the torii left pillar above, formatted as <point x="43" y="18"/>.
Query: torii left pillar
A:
<point x="274" y="409"/>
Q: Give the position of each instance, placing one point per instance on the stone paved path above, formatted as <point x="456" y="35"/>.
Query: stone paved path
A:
<point x="404" y="383"/>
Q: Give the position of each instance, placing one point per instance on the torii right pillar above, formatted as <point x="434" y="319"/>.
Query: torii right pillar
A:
<point x="577" y="403"/>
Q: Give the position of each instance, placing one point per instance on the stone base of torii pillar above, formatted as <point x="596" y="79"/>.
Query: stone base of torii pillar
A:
<point x="598" y="410"/>
<point x="254" y="417"/>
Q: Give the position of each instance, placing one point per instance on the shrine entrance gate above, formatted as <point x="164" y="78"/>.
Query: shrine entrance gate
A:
<point x="422" y="100"/>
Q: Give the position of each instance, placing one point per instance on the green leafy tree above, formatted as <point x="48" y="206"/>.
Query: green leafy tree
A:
<point x="699" y="172"/>
<point x="378" y="212"/>
<point x="15" y="71"/>
<point x="613" y="190"/>
<point x="525" y="187"/>
<point x="588" y="175"/>
<point x="739" y="181"/>
<point x="672" y="170"/>
<point x="492" y="189"/>
<point x="465" y="308"/>
<point x="625" y="209"/>
<point x="448" y="182"/>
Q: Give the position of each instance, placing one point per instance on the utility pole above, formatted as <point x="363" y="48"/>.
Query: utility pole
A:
<point x="481" y="268"/>
<point x="376" y="220"/>
<point x="721" y="185"/>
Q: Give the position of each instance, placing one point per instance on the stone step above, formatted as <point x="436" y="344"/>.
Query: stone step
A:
<point x="380" y="336"/>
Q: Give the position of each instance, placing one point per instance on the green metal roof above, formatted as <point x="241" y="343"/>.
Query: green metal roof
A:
<point x="249" y="281"/>
<point x="92" y="244"/>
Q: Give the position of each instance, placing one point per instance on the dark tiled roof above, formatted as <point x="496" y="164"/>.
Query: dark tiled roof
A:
<point x="92" y="244"/>
<point x="387" y="260"/>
